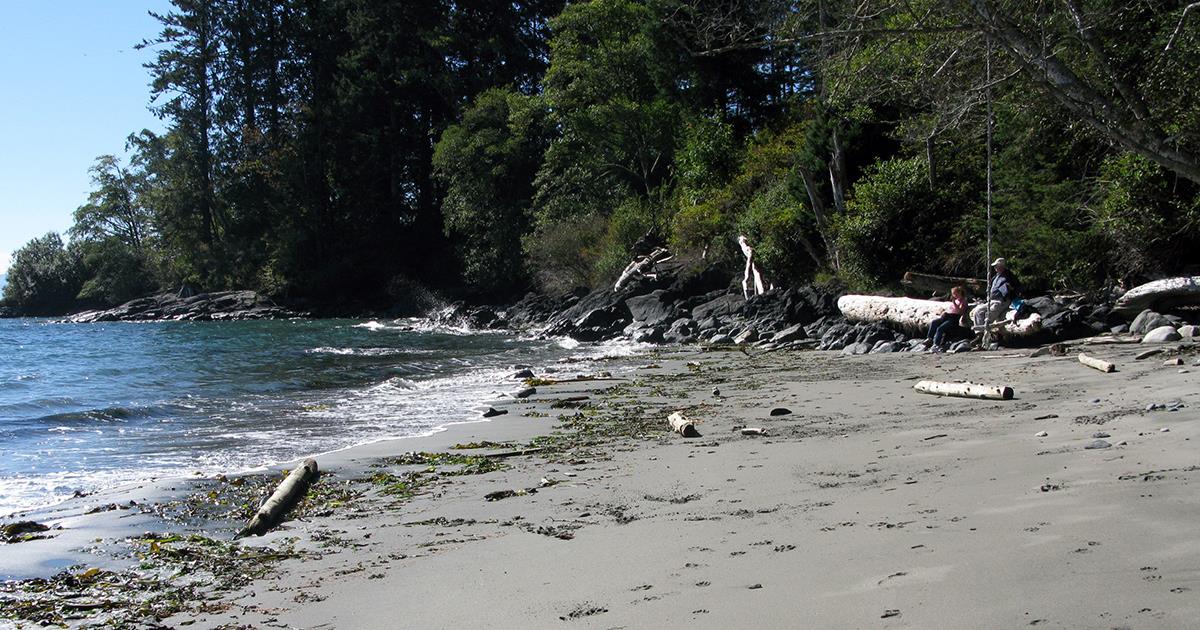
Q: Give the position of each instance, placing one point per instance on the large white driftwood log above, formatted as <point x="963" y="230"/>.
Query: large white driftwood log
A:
<point x="965" y="390"/>
<point x="1099" y="364"/>
<point x="1163" y="293"/>
<point x="682" y="425"/>
<point x="286" y="496"/>
<point x="914" y="316"/>
<point x="752" y="276"/>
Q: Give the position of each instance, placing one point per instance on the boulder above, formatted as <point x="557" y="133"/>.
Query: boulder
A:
<point x="721" y="307"/>
<point x="748" y="335"/>
<point x="1162" y="334"/>
<point x="222" y="305"/>
<point x="1146" y="321"/>
<point x="858" y="348"/>
<point x="792" y="333"/>
<point x="682" y="330"/>
<point x="601" y="323"/>
<point x="1189" y="331"/>
<point x="652" y="308"/>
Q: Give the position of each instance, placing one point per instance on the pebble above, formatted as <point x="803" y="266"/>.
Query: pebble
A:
<point x="1095" y="400"/>
<point x="1100" y="434"/>
<point x="1164" y="430"/>
<point x="1098" y="444"/>
<point x="781" y="411"/>
<point x="1041" y="434"/>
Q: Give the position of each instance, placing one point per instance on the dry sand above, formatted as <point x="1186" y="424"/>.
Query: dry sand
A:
<point x="869" y="506"/>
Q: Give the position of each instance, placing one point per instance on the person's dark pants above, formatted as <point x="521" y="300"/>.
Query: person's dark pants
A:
<point x="940" y="326"/>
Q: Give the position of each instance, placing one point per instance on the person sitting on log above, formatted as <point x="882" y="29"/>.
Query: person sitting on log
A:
<point x="949" y="320"/>
<point x="1004" y="289"/>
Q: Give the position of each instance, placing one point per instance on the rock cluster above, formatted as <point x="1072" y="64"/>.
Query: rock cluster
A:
<point x="223" y="305"/>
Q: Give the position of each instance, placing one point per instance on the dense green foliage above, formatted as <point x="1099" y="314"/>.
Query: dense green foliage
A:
<point x="331" y="149"/>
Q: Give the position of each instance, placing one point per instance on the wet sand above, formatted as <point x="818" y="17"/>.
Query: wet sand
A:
<point x="869" y="505"/>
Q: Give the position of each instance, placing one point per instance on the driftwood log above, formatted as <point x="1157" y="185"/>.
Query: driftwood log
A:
<point x="682" y="425"/>
<point x="286" y="496"/>
<point x="965" y="390"/>
<point x="1162" y="294"/>
<point x="913" y="316"/>
<point x="926" y="283"/>
<point x="642" y="266"/>
<point x="909" y="315"/>
<point x="1099" y="364"/>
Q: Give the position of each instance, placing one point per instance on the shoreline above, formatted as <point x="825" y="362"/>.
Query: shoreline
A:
<point x="25" y="561"/>
<point x="868" y="505"/>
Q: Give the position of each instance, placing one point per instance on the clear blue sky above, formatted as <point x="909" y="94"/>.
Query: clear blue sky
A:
<point x="71" y="88"/>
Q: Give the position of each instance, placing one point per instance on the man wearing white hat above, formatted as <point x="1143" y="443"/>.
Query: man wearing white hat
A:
<point x="1003" y="291"/>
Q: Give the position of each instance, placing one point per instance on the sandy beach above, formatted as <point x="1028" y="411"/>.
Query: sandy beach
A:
<point x="867" y="506"/>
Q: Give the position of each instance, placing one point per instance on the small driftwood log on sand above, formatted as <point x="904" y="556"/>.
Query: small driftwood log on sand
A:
<point x="927" y="283"/>
<point x="682" y="425"/>
<point x="914" y="316"/>
<point x="1161" y="294"/>
<point x="1099" y="364"/>
<point x="965" y="390"/>
<point x="286" y="496"/>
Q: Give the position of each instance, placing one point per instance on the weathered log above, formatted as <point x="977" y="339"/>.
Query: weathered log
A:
<point x="641" y="266"/>
<point x="1160" y="294"/>
<point x="682" y="425"/>
<point x="909" y="315"/>
<point x="1099" y="364"/>
<point x="928" y="283"/>
<point x="286" y="496"/>
<point x="965" y="390"/>
<point x="913" y="316"/>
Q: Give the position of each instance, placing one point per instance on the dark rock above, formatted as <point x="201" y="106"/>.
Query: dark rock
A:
<point x="524" y="373"/>
<point x="492" y="412"/>
<point x="781" y="411"/>
<point x="1044" y="306"/>
<point x="653" y="308"/>
<point x="791" y="333"/>
<point x="720" y="307"/>
<point x="682" y="330"/>
<point x="224" y="305"/>
<point x="1098" y="444"/>
<point x="857" y="348"/>
<point x="748" y="335"/>
<point x="1148" y="320"/>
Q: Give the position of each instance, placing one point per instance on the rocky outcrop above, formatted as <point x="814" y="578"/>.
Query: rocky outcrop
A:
<point x="218" y="306"/>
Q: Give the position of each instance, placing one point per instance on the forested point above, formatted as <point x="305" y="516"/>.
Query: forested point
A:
<point x="353" y="152"/>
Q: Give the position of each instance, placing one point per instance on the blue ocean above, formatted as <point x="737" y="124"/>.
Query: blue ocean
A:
<point x="87" y="406"/>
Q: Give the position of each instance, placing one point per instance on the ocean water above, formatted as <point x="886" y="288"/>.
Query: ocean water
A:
<point x="87" y="406"/>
